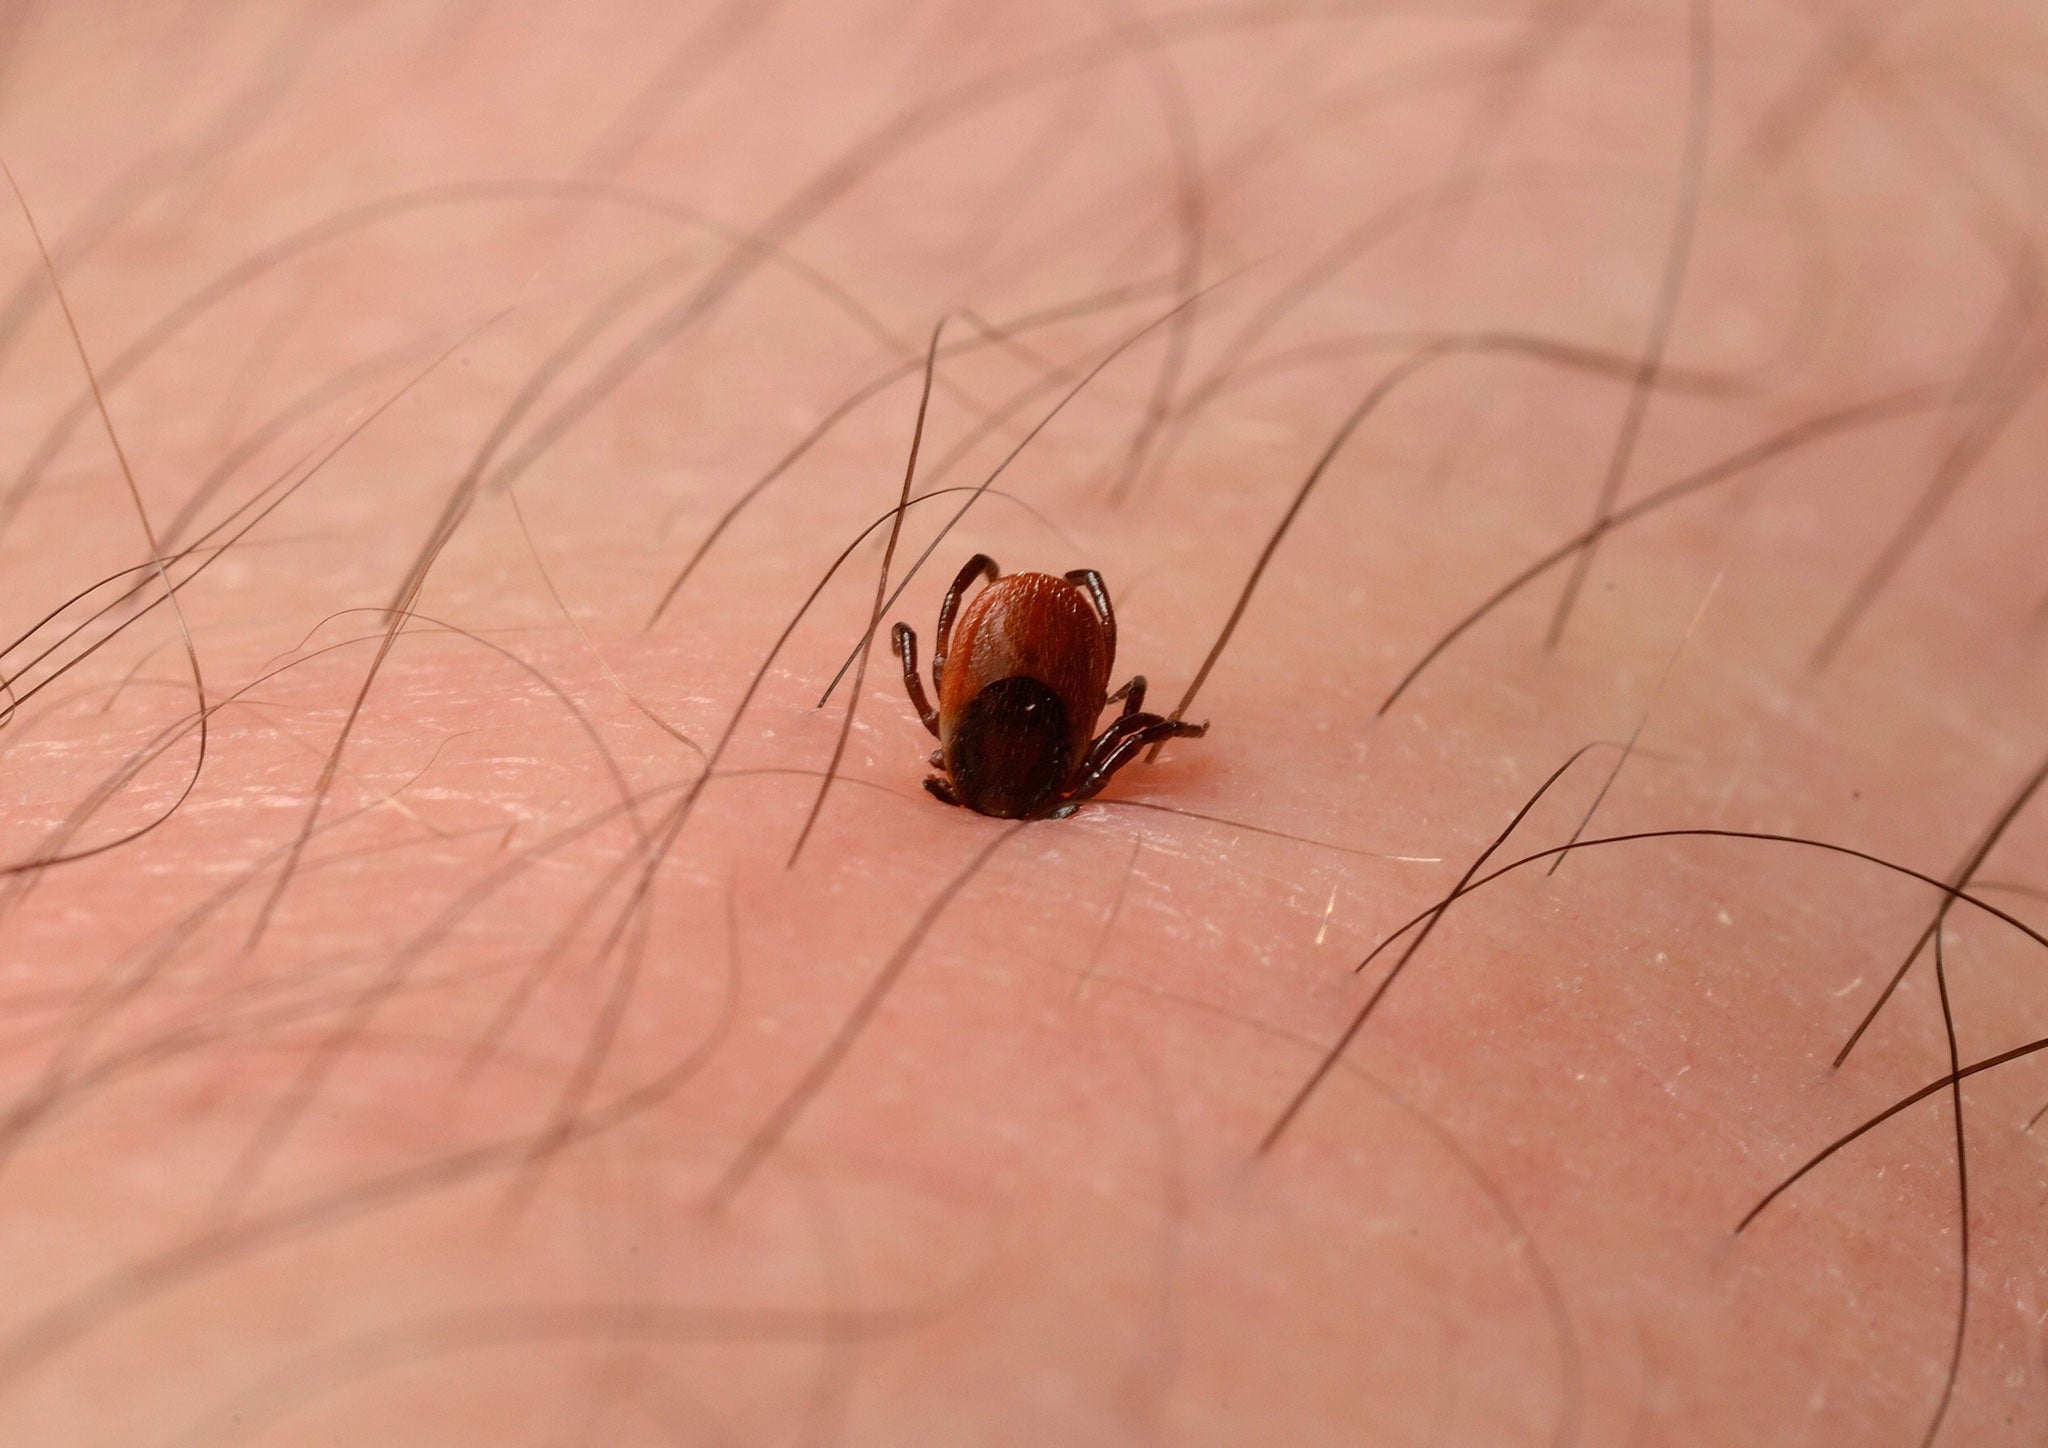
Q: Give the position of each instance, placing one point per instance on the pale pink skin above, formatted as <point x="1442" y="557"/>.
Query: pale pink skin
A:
<point x="1025" y="1202"/>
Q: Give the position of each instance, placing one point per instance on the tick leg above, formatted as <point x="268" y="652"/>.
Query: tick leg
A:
<point x="979" y="566"/>
<point x="1133" y="695"/>
<point x="1098" y="591"/>
<point x="1118" y="746"/>
<point x="940" y="790"/>
<point x="906" y="649"/>
<point x="1126" y="727"/>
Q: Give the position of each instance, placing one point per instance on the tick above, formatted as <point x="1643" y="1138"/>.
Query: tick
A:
<point x="1021" y="679"/>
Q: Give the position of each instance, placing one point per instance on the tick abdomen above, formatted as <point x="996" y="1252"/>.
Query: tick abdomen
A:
<point x="1029" y="626"/>
<point x="1012" y="748"/>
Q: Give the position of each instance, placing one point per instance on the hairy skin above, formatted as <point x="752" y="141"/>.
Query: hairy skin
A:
<point x="448" y="1057"/>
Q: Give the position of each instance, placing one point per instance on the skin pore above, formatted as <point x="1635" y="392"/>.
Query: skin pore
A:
<point x="419" y="1023"/>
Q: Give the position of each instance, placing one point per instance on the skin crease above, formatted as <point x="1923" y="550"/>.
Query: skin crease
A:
<point x="456" y="1133"/>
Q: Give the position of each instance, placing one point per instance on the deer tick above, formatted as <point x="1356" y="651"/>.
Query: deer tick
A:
<point x="1021" y="678"/>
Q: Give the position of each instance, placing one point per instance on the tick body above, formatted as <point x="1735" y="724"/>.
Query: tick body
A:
<point x="1022" y="674"/>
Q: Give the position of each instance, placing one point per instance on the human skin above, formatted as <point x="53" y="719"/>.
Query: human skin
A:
<point x="463" y="1050"/>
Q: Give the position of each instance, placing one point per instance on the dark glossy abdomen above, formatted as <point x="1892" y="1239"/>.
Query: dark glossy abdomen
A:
<point x="1011" y="748"/>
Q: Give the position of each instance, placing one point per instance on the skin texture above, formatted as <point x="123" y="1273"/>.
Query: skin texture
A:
<point x="461" y="1049"/>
